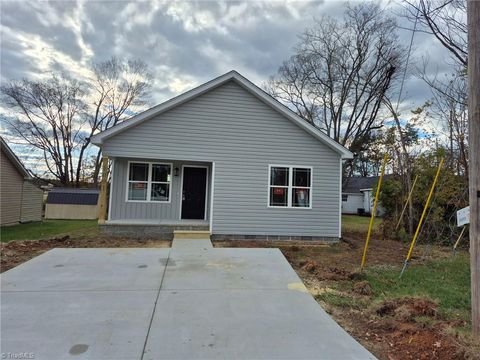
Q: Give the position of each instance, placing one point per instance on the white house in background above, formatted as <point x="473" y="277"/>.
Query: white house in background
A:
<point x="358" y="197"/>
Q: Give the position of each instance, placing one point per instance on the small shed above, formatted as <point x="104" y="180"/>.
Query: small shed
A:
<point x="72" y="203"/>
<point x="21" y="200"/>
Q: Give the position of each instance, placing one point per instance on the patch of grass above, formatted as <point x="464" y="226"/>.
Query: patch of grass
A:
<point x="45" y="229"/>
<point x="445" y="281"/>
<point x="355" y="223"/>
<point x="340" y="300"/>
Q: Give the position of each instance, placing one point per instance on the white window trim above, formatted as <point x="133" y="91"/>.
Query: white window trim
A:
<point x="289" y="187"/>
<point x="212" y="190"/>
<point x="149" y="182"/>
<point x="110" y="193"/>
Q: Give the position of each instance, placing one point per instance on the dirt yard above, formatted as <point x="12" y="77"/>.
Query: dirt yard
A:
<point x="391" y="328"/>
<point x="14" y="253"/>
<point x="403" y="328"/>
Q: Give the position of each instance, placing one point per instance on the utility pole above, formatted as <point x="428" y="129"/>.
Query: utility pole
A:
<point x="473" y="19"/>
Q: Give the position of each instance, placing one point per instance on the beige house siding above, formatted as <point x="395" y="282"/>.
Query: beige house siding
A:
<point x="11" y="187"/>
<point x="32" y="203"/>
<point x="71" y="211"/>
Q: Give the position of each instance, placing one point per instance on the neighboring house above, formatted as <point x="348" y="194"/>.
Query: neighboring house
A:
<point x="226" y="157"/>
<point x="357" y="196"/>
<point x="20" y="200"/>
<point x="71" y="203"/>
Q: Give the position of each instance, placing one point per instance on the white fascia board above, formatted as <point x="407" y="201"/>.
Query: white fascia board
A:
<point x="285" y="111"/>
<point x="156" y="110"/>
<point x="15" y="160"/>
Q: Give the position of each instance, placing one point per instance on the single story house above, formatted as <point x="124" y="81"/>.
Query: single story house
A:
<point x="358" y="197"/>
<point x="72" y="203"/>
<point x="20" y="200"/>
<point x="225" y="157"/>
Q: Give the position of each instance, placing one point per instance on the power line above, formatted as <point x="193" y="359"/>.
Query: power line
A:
<point x="406" y="64"/>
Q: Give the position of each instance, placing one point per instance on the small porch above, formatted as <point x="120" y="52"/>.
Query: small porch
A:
<point x="154" y="197"/>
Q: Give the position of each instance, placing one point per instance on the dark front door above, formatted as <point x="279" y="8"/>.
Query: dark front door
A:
<point x="194" y="192"/>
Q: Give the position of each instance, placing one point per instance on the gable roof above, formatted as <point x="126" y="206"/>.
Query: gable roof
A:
<point x="14" y="159"/>
<point x="98" y="139"/>
<point x="357" y="184"/>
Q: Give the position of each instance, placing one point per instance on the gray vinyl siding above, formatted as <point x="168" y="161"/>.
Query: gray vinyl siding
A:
<point x="242" y="136"/>
<point x="32" y="203"/>
<point x="122" y="209"/>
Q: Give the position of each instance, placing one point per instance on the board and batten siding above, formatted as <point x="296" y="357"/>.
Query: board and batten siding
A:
<point x="242" y="136"/>
<point x="121" y="209"/>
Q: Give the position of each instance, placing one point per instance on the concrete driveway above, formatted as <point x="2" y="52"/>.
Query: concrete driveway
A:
<point x="181" y="303"/>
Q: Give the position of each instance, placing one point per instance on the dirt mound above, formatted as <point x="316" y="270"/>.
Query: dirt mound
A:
<point x="407" y="309"/>
<point x="355" y="275"/>
<point x="411" y="342"/>
<point x="310" y="266"/>
<point x="363" y="288"/>
<point x="336" y="273"/>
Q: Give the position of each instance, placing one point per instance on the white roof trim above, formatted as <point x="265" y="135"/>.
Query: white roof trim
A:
<point x="98" y="139"/>
<point x="15" y="160"/>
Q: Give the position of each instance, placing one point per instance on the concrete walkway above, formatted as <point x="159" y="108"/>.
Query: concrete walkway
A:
<point x="187" y="302"/>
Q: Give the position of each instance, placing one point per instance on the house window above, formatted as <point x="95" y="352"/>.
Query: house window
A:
<point x="290" y="186"/>
<point x="149" y="182"/>
<point x="344" y="197"/>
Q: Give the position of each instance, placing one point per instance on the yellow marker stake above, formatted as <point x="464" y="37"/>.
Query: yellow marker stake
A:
<point x="406" y="203"/>
<point x="373" y="212"/>
<point x="459" y="238"/>
<point x="429" y="198"/>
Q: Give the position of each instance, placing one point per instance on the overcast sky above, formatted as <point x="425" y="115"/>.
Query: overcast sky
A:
<point x="184" y="43"/>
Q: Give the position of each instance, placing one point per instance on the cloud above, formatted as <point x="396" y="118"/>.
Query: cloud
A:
<point x="184" y="43"/>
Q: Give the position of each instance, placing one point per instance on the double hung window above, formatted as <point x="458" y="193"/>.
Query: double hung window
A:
<point x="290" y="186"/>
<point x="149" y="182"/>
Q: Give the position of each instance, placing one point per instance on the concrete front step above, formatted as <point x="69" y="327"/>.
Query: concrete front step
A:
<point x="191" y="244"/>
<point x="191" y="234"/>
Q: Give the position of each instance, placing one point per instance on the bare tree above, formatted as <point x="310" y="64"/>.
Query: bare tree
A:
<point x="50" y="117"/>
<point x="119" y="90"/>
<point x="446" y="20"/>
<point x="450" y="106"/>
<point x="59" y="115"/>
<point x="341" y="72"/>
<point x="404" y="138"/>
